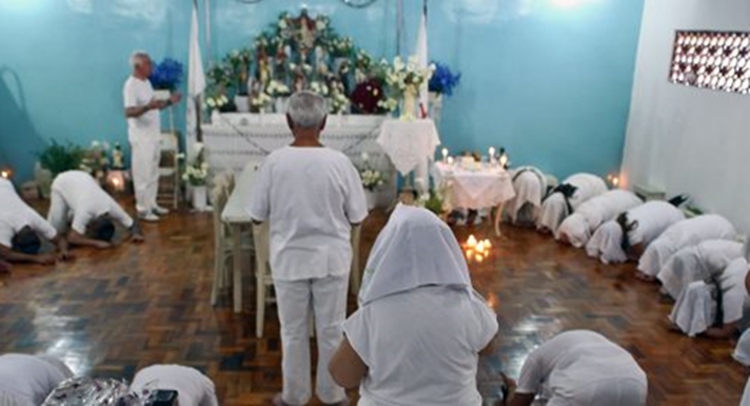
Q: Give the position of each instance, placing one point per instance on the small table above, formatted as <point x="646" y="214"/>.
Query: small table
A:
<point x="235" y="214"/>
<point x="409" y="144"/>
<point x="485" y="186"/>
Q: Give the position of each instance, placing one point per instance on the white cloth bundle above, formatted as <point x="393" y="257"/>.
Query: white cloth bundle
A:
<point x="695" y="308"/>
<point x="684" y="234"/>
<point x="555" y="210"/>
<point x="590" y="215"/>
<point x="650" y="220"/>
<point x="530" y="185"/>
<point x="697" y="263"/>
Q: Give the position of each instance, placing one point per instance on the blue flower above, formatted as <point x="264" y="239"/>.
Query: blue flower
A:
<point x="443" y="80"/>
<point x="166" y="75"/>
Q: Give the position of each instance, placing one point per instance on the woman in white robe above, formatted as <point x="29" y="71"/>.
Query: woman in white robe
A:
<point x="742" y="351"/>
<point x="581" y="368"/>
<point x="566" y="198"/>
<point x="644" y="224"/>
<point x="715" y="308"/>
<point x="530" y="185"/>
<point x="683" y="234"/>
<point x="193" y="388"/>
<point x="697" y="263"/>
<point x="578" y="227"/>
<point x="417" y="335"/>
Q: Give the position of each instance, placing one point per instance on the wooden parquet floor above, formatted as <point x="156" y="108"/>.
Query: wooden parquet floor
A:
<point x="109" y="313"/>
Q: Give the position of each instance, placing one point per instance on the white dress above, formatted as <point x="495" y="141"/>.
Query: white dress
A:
<point x="684" y="234"/>
<point x="530" y="185"/>
<point x="583" y="368"/>
<point x="555" y="209"/>
<point x="742" y="350"/>
<point x="695" y="308"/>
<point x="650" y="220"/>
<point x="697" y="263"/>
<point x="579" y="227"/>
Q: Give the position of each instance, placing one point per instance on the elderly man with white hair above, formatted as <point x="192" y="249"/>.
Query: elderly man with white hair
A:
<point x="578" y="227"/>
<point x="632" y="231"/>
<point x="311" y="196"/>
<point x="144" y="134"/>
<point x="27" y="380"/>
<point x="566" y="197"/>
<point x="682" y="234"/>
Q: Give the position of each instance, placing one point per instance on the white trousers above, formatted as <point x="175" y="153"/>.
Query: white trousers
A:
<point x="327" y="298"/>
<point x="145" y="158"/>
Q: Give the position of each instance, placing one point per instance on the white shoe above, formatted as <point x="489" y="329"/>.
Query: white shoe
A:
<point x="150" y="217"/>
<point x="161" y="211"/>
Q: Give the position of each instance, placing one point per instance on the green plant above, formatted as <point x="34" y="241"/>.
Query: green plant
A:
<point x="58" y="158"/>
<point x="434" y="203"/>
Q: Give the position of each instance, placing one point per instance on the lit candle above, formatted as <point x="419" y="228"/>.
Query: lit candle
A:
<point x="450" y="160"/>
<point x="492" y="154"/>
<point x="487" y="244"/>
<point x="469" y="254"/>
<point x="471" y="242"/>
<point x="479" y="258"/>
<point x="445" y="154"/>
<point x="480" y="247"/>
<point x="5" y="174"/>
<point x="615" y="181"/>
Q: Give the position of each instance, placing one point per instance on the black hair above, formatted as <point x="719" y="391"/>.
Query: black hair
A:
<point x="27" y="241"/>
<point x="627" y="227"/>
<point x="567" y="190"/>
<point x="719" y="317"/>
<point x="103" y="228"/>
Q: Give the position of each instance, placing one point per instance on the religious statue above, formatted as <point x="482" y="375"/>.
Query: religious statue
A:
<point x="264" y="71"/>
<point x="306" y="30"/>
<point x="299" y="81"/>
<point x="280" y="61"/>
<point x="117" y="157"/>
<point x="321" y="61"/>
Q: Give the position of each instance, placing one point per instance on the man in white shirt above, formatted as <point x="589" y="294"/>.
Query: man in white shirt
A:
<point x="80" y="208"/>
<point x="311" y="195"/>
<point x="193" y="388"/>
<point x="580" y="368"/>
<point x="20" y="227"/>
<point x="144" y="132"/>
<point x="27" y="380"/>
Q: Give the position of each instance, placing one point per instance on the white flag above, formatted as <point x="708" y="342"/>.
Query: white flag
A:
<point x="423" y="57"/>
<point x="196" y="82"/>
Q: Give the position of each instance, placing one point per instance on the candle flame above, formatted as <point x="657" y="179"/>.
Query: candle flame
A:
<point x="5" y="174"/>
<point x="471" y="242"/>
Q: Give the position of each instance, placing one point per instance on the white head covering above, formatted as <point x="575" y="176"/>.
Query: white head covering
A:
<point x="606" y="244"/>
<point x="414" y="249"/>
<point x="576" y="229"/>
<point x="530" y="185"/>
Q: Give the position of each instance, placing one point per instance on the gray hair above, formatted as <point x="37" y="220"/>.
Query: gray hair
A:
<point x="307" y="109"/>
<point x="137" y="57"/>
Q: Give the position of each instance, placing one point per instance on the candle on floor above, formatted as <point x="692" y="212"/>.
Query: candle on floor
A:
<point x="471" y="242"/>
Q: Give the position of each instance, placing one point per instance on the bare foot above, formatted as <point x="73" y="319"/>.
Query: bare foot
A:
<point x="642" y="276"/>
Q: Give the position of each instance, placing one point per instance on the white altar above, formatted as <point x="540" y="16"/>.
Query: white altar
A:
<point x="240" y="138"/>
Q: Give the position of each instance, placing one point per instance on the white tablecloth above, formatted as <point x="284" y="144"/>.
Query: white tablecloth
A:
<point x="235" y="210"/>
<point x="240" y="138"/>
<point x="409" y="143"/>
<point x="486" y="187"/>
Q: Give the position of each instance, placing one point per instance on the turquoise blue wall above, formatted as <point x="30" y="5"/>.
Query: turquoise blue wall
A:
<point x="548" y="79"/>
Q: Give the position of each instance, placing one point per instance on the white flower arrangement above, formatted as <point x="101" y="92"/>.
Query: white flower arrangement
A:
<point x="261" y="100"/>
<point x="196" y="173"/>
<point x="401" y="75"/>
<point x="339" y="103"/>
<point x="216" y="102"/>
<point x="342" y="46"/>
<point x="319" y="88"/>
<point x="278" y="89"/>
<point x="389" y="104"/>
<point x="371" y="178"/>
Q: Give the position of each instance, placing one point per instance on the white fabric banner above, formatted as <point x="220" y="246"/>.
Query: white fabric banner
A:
<point x="196" y="82"/>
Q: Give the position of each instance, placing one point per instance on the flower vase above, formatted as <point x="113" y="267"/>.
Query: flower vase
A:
<point x="242" y="103"/>
<point x="280" y="104"/>
<point x="371" y="199"/>
<point x="199" y="197"/>
<point x="436" y="106"/>
<point x="409" y="105"/>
